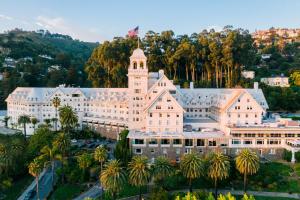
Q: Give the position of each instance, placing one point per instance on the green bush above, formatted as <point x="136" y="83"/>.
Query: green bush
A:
<point x="287" y="155"/>
<point x="158" y="194"/>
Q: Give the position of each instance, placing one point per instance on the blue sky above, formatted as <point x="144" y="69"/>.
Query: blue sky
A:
<point x="96" y="20"/>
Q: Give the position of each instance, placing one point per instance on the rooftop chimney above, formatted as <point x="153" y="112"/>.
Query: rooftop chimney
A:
<point x="255" y="85"/>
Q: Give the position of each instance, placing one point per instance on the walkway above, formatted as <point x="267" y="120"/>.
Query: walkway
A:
<point x="93" y="192"/>
<point x="233" y="192"/>
<point x="45" y="186"/>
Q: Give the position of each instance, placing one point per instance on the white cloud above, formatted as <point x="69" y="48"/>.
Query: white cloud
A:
<point x="5" y="17"/>
<point x="60" y="25"/>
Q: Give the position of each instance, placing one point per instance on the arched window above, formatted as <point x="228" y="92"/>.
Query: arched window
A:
<point x="141" y="65"/>
<point x="134" y="65"/>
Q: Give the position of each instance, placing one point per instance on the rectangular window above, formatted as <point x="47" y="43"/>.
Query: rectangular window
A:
<point x="259" y="142"/>
<point x="189" y="142"/>
<point x="138" y="141"/>
<point x="138" y="151"/>
<point x="177" y="141"/>
<point x="200" y="142"/>
<point x="248" y="142"/>
<point x="165" y="141"/>
<point x="137" y="91"/>
<point x="212" y="143"/>
<point x="153" y="141"/>
<point x="236" y="142"/>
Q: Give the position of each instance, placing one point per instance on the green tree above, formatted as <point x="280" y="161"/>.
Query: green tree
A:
<point x="113" y="177"/>
<point x="63" y="143"/>
<point x="23" y="120"/>
<point x="34" y="121"/>
<point x="42" y="137"/>
<point x="84" y="162"/>
<point x="247" y="162"/>
<point x="100" y="155"/>
<point x="68" y="118"/>
<point x="56" y="103"/>
<point x="122" y="151"/>
<point x="6" y="119"/>
<point x="139" y="172"/>
<point x="295" y="77"/>
<point x="162" y="168"/>
<point x="35" y="168"/>
<point x="191" y="167"/>
<point x="50" y="154"/>
<point x="218" y="169"/>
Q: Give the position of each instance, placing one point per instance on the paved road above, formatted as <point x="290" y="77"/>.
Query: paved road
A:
<point x="45" y="186"/>
<point x="93" y="192"/>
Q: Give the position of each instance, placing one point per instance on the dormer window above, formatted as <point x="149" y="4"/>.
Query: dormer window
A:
<point x="141" y="65"/>
<point x="134" y="65"/>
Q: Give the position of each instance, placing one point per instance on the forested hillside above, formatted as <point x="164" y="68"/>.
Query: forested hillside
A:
<point x="209" y="59"/>
<point x="41" y="59"/>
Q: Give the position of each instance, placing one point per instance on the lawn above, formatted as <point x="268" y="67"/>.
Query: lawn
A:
<point x="274" y="177"/>
<point x="67" y="191"/>
<point x="297" y="169"/>
<point x="18" y="187"/>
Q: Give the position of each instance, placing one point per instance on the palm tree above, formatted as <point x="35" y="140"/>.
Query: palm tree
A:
<point x="162" y="168"/>
<point x="139" y="172"/>
<point x="34" y="121"/>
<point x="191" y="167"/>
<point x="51" y="154"/>
<point x="67" y="117"/>
<point x="218" y="168"/>
<point x="35" y="169"/>
<point x="84" y="161"/>
<point x="5" y="120"/>
<point x="247" y="162"/>
<point x="23" y="120"/>
<point x="6" y="158"/>
<point x="100" y="155"/>
<point x="113" y="177"/>
<point x="56" y="104"/>
<point x="47" y="121"/>
<point x="63" y="143"/>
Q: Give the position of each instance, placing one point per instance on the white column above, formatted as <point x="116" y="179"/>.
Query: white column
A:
<point x="293" y="160"/>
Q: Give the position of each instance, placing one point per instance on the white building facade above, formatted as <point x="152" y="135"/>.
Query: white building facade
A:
<point x="163" y="118"/>
<point x="278" y="81"/>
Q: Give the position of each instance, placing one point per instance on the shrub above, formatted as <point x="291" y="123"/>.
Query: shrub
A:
<point x="158" y="194"/>
<point x="287" y="155"/>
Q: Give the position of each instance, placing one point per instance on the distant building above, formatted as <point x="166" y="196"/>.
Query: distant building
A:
<point x="266" y="56"/>
<point x="248" y="74"/>
<point x="278" y="81"/>
<point x="267" y="37"/>
<point x="9" y="62"/>
<point x="46" y="57"/>
<point x="54" y="68"/>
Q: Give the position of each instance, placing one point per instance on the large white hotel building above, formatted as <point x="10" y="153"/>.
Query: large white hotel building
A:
<point x="164" y="119"/>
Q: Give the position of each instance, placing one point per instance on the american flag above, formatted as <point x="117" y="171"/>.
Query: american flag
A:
<point x="133" y="32"/>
